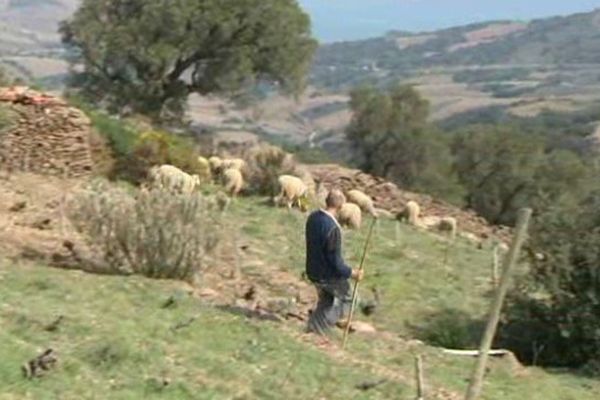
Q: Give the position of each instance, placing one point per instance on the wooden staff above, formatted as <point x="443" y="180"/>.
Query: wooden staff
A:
<point x="356" y="284"/>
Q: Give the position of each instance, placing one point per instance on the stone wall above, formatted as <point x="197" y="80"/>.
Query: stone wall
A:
<point x="47" y="136"/>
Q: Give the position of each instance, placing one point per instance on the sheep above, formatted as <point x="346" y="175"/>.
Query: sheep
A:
<point x="350" y="216"/>
<point x="411" y="213"/>
<point x="448" y="224"/>
<point x="234" y="163"/>
<point x="215" y="164"/>
<point x="204" y="163"/>
<point x="292" y="191"/>
<point x="362" y="200"/>
<point x="204" y="166"/>
<point x="233" y="181"/>
<point x="189" y="184"/>
<point x="173" y="179"/>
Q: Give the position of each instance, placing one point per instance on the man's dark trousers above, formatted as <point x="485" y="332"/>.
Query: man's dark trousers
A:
<point x="335" y="299"/>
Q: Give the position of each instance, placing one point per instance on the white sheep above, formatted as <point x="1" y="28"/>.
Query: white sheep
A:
<point x="448" y="224"/>
<point x="204" y="165"/>
<point x="411" y="213"/>
<point x="233" y="181"/>
<point x="350" y="216"/>
<point x="292" y="190"/>
<point x="362" y="200"/>
<point x="234" y="163"/>
<point x="173" y="179"/>
<point x="215" y="164"/>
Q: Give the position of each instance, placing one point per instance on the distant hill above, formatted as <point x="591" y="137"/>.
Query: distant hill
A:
<point x="470" y="72"/>
<point x="31" y="25"/>
<point x="567" y="40"/>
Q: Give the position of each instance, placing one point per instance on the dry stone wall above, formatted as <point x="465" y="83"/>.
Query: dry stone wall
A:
<point x="47" y="136"/>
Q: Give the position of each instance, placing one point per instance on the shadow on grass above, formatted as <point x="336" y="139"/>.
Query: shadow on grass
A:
<point x="247" y="312"/>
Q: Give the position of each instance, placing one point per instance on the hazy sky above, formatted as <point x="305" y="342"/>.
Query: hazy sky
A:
<point x="352" y="19"/>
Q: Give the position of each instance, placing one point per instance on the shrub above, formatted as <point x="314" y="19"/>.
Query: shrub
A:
<point x="265" y="164"/>
<point x="159" y="148"/>
<point x="451" y="329"/>
<point x="154" y="233"/>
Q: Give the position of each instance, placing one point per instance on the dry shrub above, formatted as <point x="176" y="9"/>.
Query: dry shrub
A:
<point x="265" y="164"/>
<point x="147" y="232"/>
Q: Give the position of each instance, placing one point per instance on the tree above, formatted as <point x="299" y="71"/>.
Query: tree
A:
<point x="554" y="314"/>
<point x="149" y="55"/>
<point x="391" y="138"/>
<point x="497" y="166"/>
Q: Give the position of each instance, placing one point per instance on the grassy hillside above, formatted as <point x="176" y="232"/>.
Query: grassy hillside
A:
<point x="117" y="341"/>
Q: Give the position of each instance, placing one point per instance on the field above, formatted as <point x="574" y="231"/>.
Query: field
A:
<point x="128" y="337"/>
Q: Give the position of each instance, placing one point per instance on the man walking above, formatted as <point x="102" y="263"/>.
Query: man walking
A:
<point x="325" y="266"/>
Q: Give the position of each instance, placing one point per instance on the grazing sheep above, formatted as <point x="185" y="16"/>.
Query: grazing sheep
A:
<point x="234" y="163"/>
<point x="233" y="181"/>
<point x="411" y="214"/>
<point x="448" y="224"/>
<point x="204" y="165"/>
<point x="362" y="200"/>
<point x="472" y="238"/>
<point x="293" y="189"/>
<point x="350" y="216"/>
<point x="173" y="179"/>
<point x="215" y="164"/>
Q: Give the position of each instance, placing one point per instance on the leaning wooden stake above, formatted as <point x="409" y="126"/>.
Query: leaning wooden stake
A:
<point x="419" y="377"/>
<point x="510" y="260"/>
<point x="495" y="265"/>
<point x="356" y="284"/>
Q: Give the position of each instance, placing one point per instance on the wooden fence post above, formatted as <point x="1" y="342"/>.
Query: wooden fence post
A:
<point x="495" y="265"/>
<point x="419" y="377"/>
<point x="510" y="260"/>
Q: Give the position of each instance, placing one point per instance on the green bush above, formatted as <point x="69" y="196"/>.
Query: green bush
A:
<point x="137" y="147"/>
<point x="451" y="329"/>
<point x="159" y="148"/>
<point x="151" y="232"/>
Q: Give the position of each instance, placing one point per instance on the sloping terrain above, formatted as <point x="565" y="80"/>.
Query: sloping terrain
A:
<point x="128" y="337"/>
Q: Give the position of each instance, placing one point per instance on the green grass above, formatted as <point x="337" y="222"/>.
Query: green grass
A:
<point x="415" y="284"/>
<point x="117" y="342"/>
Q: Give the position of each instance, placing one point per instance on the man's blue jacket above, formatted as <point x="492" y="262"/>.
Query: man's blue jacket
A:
<point x="324" y="262"/>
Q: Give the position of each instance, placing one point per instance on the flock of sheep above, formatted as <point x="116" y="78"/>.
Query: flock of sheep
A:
<point x="294" y="191"/>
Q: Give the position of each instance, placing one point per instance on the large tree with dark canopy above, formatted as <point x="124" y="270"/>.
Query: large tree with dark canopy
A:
<point x="392" y="139"/>
<point x="149" y="55"/>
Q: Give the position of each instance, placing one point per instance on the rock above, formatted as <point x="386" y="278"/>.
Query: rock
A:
<point x="363" y="327"/>
<point x="208" y="293"/>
